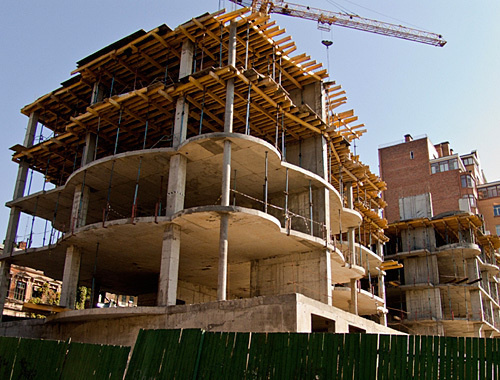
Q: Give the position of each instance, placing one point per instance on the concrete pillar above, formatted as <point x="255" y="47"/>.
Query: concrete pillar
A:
<point x="70" y="277"/>
<point x="350" y="242"/>
<point x="90" y="148"/>
<point x="181" y="122"/>
<point x="176" y="184"/>
<point x="169" y="267"/>
<point x="381" y="294"/>
<point x="182" y="106"/>
<point x="353" y="304"/>
<point x="98" y="93"/>
<point x="223" y="252"/>
<point x="226" y="170"/>
<point x="325" y="270"/>
<point x="186" y="62"/>
<point x="472" y="269"/>
<point x="80" y="207"/>
<point x="476" y="303"/>
<point x="478" y="330"/>
<point x="4" y="283"/>
<point x="20" y="185"/>
<point x="348" y="193"/>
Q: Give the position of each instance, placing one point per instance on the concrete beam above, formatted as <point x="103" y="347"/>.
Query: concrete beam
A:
<point x="70" y="277"/>
<point x="169" y="267"/>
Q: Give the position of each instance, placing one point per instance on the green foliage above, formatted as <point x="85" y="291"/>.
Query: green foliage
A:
<point x="46" y="296"/>
<point x="82" y="295"/>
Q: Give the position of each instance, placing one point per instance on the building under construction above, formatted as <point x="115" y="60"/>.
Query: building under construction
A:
<point x="207" y="171"/>
<point x="442" y="229"/>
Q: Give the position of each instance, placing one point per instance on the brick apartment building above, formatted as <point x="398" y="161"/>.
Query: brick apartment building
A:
<point x="444" y="220"/>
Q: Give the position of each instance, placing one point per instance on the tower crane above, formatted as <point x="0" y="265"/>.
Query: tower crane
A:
<point x="328" y="18"/>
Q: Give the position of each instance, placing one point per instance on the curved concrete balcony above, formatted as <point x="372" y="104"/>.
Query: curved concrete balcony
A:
<point x="493" y="269"/>
<point x="115" y="181"/>
<point x="125" y="256"/>
<point x="461" y="250"/>
<point x="365" y="258"/>
<point x="368" y="304"/>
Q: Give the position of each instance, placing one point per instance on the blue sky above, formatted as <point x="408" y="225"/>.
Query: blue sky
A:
<point x="394" y="86"/>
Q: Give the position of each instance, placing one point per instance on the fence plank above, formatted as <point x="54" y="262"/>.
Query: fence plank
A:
<point x="39" y="359"/>
<point x="93" y="361"/>
<point x="8" y="350"/>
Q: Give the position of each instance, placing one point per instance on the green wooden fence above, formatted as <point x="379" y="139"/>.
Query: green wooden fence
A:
<point x="36" y="359"/>
<point x="196" y="354"/>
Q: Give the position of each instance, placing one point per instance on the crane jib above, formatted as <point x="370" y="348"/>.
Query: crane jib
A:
<point x="344" y="20"/>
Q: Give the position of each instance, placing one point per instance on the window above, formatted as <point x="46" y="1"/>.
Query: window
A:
<point x="497" y="228"/>
<point x="468" y="161"/>
<point x="443" y="166"/>
<point x="434" y="168"/>
<point x="467" y="181"/>
<point x="20" y="290"/>
<point x="411" y="155"/>
<point x="471" y="198"/>
<point x="492" y="192"/>
<point x="496" y="210"/>
<point x="454" y="164"/>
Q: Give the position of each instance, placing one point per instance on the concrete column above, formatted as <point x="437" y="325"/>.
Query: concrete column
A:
<point x="478" y="330"/>
<point x="4" y="283"/>
<point x="90" y="148"/>
<point x="20" y="185"/>
<point x="325" y="270"/>
<point x="98" y="93"/>
<point x="176" y="184"/>
<point x="228" y="115"/>
<point x="353" y="304"/>
<point x="476" y="303"/>
<point x="226" y="169"/>
<point x="350" y="242"/>
<point x="381" y="294"/>
<point x="223" y="252"/>
<point x="70" y="277"/>
<point x="80" y="207"/>
<point x="348" y="193"/>
<point x="181" y="122"/>
<point x="472" y="269"/>
<point x="169" y="268"/>
<point x="182" y="106"/>
<point x="186" y="62"/>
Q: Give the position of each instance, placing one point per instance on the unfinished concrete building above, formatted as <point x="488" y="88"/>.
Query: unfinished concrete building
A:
<point x="207" y="171"/>
<point x="449" y="283"/>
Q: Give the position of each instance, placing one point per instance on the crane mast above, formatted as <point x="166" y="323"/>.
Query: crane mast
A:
<point x="328" y="18"/>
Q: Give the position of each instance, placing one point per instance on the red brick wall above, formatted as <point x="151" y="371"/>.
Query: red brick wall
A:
<point x="404" y="176"/>
<point x="446" y="191"/>
<point x="408" y="177"/>
<point x="485" y="207"/>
